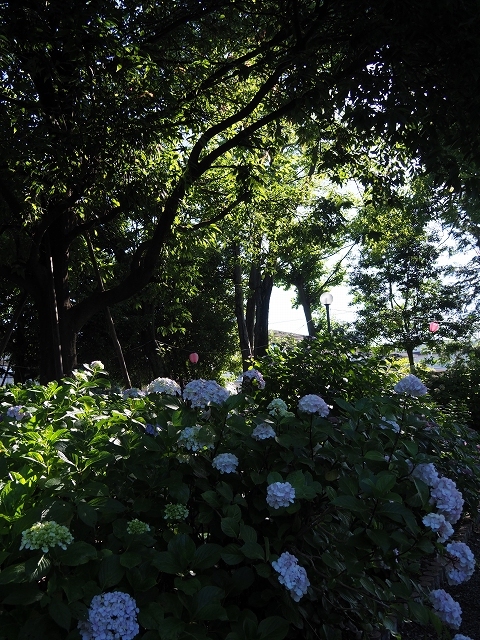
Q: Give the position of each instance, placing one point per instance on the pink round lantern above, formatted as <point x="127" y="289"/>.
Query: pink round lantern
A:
<point x="193" y="357"/>
<point x="433" y="326"/>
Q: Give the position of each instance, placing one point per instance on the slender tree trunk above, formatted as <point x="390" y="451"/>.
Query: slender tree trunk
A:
<point x="111" y="326"/>
<point x="254" y="282"/>
<point x="306" y="304"/>
<point x="263" y="295"/>
<point x="245" y="344"/>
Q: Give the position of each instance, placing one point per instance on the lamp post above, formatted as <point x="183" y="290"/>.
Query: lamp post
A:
<point x="327" y="299"/>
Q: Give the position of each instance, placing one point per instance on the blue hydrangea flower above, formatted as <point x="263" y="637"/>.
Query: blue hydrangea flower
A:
<point x="461" y="563"/>
<point x="280" y="494"/>
<point x="446" y="608"/>
<point x="263" y="431"/>
<point x="292" y="575"/>
<point x="111" y="616"/>
<point x="225" y="462"/>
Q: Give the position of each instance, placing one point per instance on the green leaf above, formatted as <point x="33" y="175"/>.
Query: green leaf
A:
<point x="87" y="514"/>
<point x="253" y="551"/>
<point x="247" y="534"/>
<point x="130" y="559"/>
<point x="111" y="571"/>
<point x="171" y="628"/>
<point x="274" y="477"/>
<point x="231" y="554"/>
<point x="211" y="498"/>
<point x="189" y="587"/>
<point x="60" y="613"/>
<point x="14" y="573"/>
<point x="351" y="503"/>
<point x="230" y="527"/>
<point x="183" y="549"/>
<point x="167" y="562"/>
<point x="375" y="455"/>
<point x="151" y="616"/>
<point x="77" y="553"/>
<point x="206" y="556"/>
<point x="23" y="594"/>
<point x="225" y="491"/>
<point x="273" y="628"/>
<point x="205" y="604"/>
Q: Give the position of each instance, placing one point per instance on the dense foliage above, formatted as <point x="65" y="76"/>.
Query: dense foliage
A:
<point x="218" y="519"/>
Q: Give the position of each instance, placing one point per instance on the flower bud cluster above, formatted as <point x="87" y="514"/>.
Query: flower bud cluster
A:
<point x="111" y="616"/>
<point x="446" y="608"/>
<point x="189" y="438"/>
<point x="438" y="523"/>
<point x="164" y="385"/>
<point x="277" y="408"/>
<point x="254" y="378"/>
<point x="312" y="403"/>
<point x="280" y="494"/>
<point x="175" y="512"/>
<point x="462" y="563"/>
<point x="45" y="535"/>
<point x="225" y="462"/>
<point x="263" y="431"/>
<point x="137" y="526"/>
<point x="411" y="386"/>
<point x="97" y="365"/>
<point x="292" y="575"/>
<point x="201" y="393"/>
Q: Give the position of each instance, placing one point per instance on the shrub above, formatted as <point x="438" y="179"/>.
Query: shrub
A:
<point x="210" y="533"/>
<point x="330" y="365"/>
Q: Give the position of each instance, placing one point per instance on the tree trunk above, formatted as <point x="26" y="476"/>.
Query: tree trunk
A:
<point x="306" y="304"/>
<point x="262" y="307"/>
<point x="245" y="344"/>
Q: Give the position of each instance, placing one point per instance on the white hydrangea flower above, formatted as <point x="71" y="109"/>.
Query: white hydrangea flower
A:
<point x="137" y="526"/>
<point x="277" y="408"/>
<point x="164" y="385"/>
<point x="225" y="462"/>
<point x="446" y="608"/>
<point x="202" y="393"/>
<point x="312" y="403"/>
<point x="45" y="535"/>
<point x="292" y="575"/>
<point x="263" y="431"/>
<point x="254" y="377"/>
<point x="438" y="523"/>
<point x="462" y="563"/>
<point x="96" y="365"/>
<point x="111" y="616"/>
<point x="189" y="438"/>
<point x="427" y="473"/>
<point x="411" y="385"/>
<point x="447" y="499"/>
<point x="280" y="494"/>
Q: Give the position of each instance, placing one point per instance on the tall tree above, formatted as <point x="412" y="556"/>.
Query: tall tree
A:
<point x="114" y="114"/>
<point x="399" y="283"/>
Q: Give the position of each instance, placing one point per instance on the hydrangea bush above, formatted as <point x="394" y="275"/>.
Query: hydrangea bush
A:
<point x="238" y="517"/>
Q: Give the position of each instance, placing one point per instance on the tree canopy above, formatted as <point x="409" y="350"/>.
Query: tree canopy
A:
<point x="121" y="119"/>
